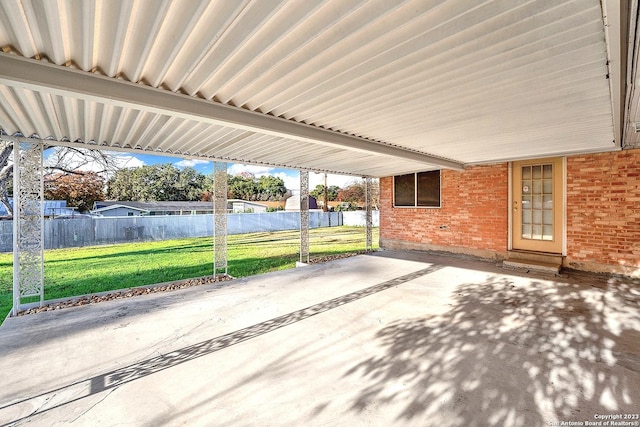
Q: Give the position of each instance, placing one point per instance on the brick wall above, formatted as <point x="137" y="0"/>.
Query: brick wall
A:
<point x="603" y="211"/>
<point x="472" y="219"/>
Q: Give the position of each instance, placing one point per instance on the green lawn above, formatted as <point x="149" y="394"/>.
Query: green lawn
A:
<point x="80" y="271"/>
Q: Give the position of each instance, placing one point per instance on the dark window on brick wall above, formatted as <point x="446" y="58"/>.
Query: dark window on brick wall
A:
<point x="429" y="189"/>
<point x="417" y="190"/>
<point x="404" y="187"/>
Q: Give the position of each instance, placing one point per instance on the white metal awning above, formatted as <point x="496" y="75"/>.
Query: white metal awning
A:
<point x="359" y="87"/>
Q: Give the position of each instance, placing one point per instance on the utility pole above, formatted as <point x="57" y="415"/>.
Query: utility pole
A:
<point x="325" y="207"/>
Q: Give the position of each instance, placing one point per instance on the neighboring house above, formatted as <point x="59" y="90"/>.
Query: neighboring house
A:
<point x="52" y="209"/>
<point x="583" y="208"/>
<point x="243" y="206"/>
<point x="122" y="208"/>
<point x="117" y="209"/>
<point x="293" y="203"/>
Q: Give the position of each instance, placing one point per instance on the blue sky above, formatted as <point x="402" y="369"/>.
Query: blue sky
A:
<point x="289" y="176"/>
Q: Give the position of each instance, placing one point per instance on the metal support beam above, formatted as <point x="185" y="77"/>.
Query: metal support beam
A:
<point x="368" y="214"/>
<point x="28" y="215"/>
<point x="616" y="30"/>
<point x="220" y="218"/>
<point x="39" y="76"/>
<point x="304" y="217"/>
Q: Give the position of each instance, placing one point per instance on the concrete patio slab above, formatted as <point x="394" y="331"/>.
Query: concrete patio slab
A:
<point x="393" y="338"/>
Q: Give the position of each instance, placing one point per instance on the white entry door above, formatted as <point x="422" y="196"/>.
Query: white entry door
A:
<point x="537" y="205"/>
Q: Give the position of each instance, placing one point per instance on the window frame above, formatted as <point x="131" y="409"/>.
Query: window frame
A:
<point x="415" y="191"/>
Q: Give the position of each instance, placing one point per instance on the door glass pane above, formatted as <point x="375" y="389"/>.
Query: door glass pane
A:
<point x="536" y="232"/>
<point x="537" y="172"/>
<point x="537" y="202"/>
<point x="537" y="216"/>
<point x="537" y="186"/>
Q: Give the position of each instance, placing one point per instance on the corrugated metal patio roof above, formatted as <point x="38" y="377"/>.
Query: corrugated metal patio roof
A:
<point x="369" y="88"/>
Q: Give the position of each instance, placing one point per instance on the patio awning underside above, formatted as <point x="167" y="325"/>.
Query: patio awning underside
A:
<point x="371" y="88"/>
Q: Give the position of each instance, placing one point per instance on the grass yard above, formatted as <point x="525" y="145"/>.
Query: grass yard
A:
<point x="79" y="271"/>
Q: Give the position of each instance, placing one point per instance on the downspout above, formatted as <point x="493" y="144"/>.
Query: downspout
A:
<point x="616" y="19"/>
<point x="632" y="59"/>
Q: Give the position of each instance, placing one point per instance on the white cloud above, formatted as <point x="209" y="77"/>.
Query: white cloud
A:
<point x="184" y="163"/>
<point x="292" y="182"/>
<point x="128" y="161"/>
<point x="237" y="168"/>
<point x="341" y="181"/>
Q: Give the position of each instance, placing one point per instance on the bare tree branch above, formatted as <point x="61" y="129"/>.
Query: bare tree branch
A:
<point x="6" y="174"/>
<point x="64" y="160"/>
<point x="71" y="160"/>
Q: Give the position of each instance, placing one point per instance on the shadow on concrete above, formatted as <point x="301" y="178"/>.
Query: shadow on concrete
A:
<point x="124" y="375"/>
<point x="140" y="305"/>
<point x="512" y="354"/>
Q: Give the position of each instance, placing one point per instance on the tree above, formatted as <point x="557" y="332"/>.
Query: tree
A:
<point x="191" y="184"/>
<point x="375" y="194"/>
<point x="207" y="189"/>
<point x="66" y="160"/>
<point x="71" y="160"/>
<point x="242" y="186"/>
<point x="120" y="186"/>
<point x="346" y="206"/>
<point x="271" y="188"/>
<point x="332" y="192"/>
<point x="6" y="176"/>
<point x="356" y="193"/>
<point x="79" y="189"/>
<point x="246" y="186"/>
<point x="158" y="183"/>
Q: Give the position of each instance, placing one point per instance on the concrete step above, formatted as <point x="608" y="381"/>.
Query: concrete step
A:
<point x="533" y="261"/>
<point x="531" y="266"/>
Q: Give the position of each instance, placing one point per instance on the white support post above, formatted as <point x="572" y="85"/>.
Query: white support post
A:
<point x="28" y="225"/>
<point x="220" y="218"/>
<point x="368" y="214"/>
<point x="304" y="217"/>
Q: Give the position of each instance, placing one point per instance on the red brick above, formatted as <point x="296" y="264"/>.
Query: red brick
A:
<point x="601" y="206"/>
<point x="474" y="208"/>
<point x="603" y="210"/>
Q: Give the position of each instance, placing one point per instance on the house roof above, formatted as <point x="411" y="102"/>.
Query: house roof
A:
<point x="247" y="202"/>
<point x="370" y="88"/>
<point x="49" y="208"/>
<point x="163" y="206"/>
<point x="103" y="208"/>
<point x="154" y="206"/>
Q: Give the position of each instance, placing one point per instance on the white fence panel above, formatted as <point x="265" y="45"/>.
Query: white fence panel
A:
<point x="77" y="232"/>
<point x="358" y="218"/>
